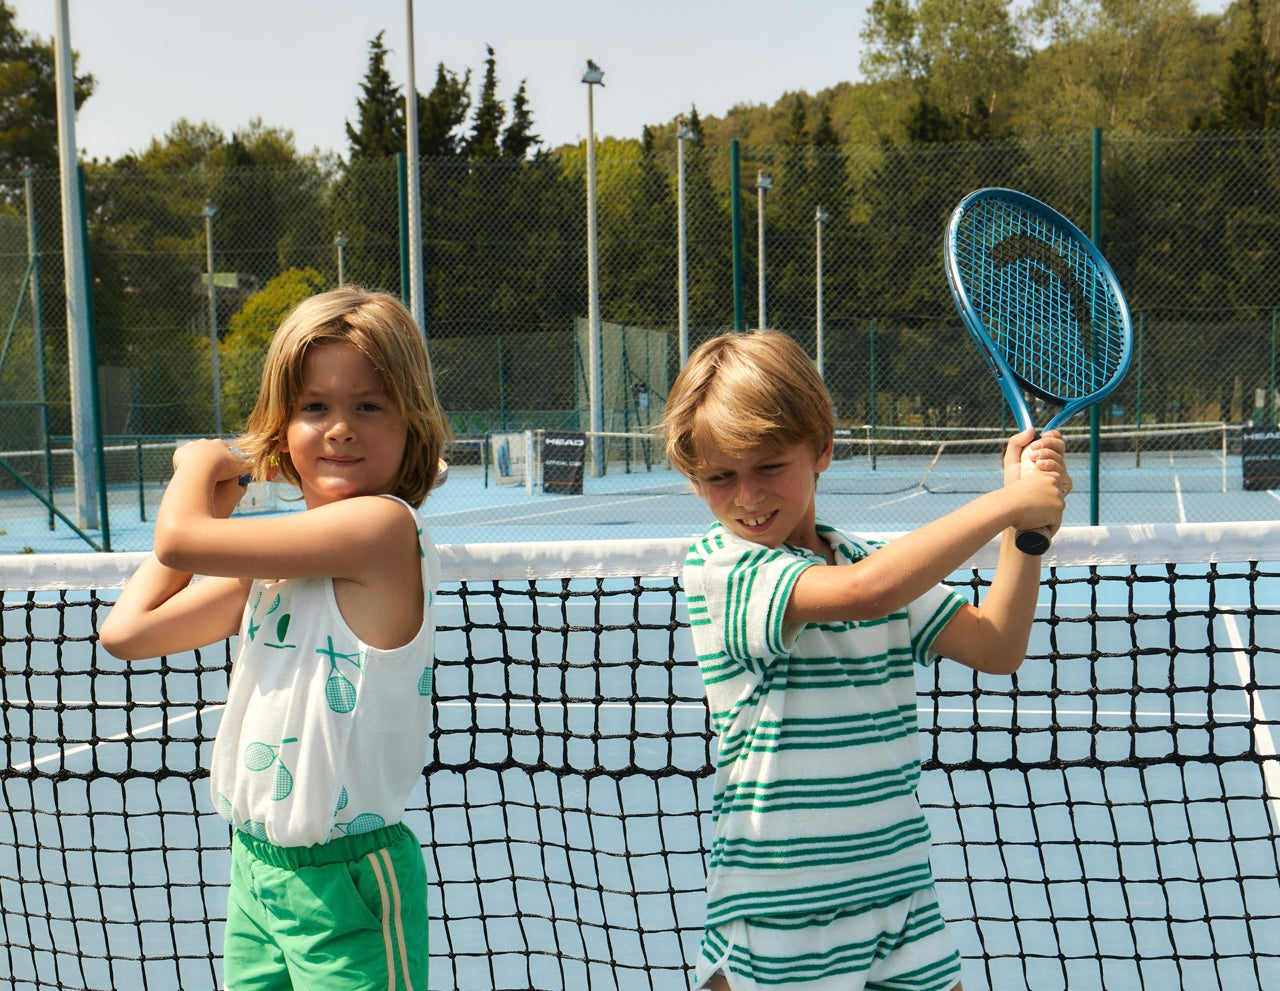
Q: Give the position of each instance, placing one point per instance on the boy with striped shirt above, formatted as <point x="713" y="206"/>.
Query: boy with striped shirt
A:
<point x="807" y="638"/>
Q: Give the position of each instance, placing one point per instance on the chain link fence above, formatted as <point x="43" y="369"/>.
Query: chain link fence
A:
<point x="1190" y="223"/>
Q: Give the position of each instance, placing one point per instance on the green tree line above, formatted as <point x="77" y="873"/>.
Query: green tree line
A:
<point x="955" y="96"/>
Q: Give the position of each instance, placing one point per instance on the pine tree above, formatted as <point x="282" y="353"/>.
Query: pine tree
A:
<point x="824" y="132"/>
<point x="442" y="112"/>
<point x="518" y="139"/>
<point x="486" y="127"/>
<point x="797" y="134"/>
<point x="695" y="123"/>
<point x="381" y="110"/>
<point x="1248" y="99"/>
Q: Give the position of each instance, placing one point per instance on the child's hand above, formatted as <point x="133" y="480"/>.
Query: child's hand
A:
<point x="1037" y="467"/>
<point x="220" y="466"/>
<point x="213" y="457"/>
<point x="1048" y="452"/>
<point x="227" y="495"/>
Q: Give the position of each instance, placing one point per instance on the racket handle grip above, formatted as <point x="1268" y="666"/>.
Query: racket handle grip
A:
<point x="1035" y="541"/>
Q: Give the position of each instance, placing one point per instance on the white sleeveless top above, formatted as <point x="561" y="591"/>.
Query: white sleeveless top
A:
<point x="322" y="735"/>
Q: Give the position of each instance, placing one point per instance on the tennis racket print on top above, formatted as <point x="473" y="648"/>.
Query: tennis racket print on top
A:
<point x="1043" y="306"/>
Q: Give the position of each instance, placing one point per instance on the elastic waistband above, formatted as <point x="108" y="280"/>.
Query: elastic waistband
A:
<point x="344" y="849"/>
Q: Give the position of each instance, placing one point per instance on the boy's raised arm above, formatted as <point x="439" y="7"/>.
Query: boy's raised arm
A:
<point x="909" y="566"/>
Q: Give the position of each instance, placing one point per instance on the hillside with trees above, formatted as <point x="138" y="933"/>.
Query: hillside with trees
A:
<point x="954" y="95"/>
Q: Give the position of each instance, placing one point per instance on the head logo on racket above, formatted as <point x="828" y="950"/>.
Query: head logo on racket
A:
<point x="1041" y="303"/>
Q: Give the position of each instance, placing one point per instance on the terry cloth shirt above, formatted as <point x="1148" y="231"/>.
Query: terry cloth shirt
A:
<point x="815" y="803"/>
<point x="322" y="735"/>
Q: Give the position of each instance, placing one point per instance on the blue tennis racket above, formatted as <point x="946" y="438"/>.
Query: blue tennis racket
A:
<point x="1043" y="306"/>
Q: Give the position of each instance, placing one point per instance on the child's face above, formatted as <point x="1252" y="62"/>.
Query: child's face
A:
<point x="767" y="495"/>
<point x="345" y="435"/>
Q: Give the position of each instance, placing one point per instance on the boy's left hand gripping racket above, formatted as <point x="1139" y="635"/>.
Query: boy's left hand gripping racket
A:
<point x="1041" y="303"/>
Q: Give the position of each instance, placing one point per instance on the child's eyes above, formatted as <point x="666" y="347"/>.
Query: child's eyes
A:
<point x="319" y="407"/>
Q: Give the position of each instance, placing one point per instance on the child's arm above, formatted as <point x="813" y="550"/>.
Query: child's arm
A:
<point x="161" y="611"/>
<point x="354" y="538"/>
<point x="907" y="567"/>
<point x="367" y="544"/>
<point x="992" y="636"/>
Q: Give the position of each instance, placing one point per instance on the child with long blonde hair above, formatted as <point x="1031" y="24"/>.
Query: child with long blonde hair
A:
<point x="325" y="730"/>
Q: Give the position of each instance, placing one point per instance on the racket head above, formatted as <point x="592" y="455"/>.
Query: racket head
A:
<point x="1039" y="300"/>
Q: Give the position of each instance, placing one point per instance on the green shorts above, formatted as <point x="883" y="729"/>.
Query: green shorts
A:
<point x="349" y="915"/>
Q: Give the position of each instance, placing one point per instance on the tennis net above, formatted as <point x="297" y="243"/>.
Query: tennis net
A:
<point x="1106" y="818"/>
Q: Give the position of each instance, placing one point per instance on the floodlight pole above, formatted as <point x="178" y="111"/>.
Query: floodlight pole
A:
<point x="820" y="218"/>
<point x="209" y="211"/>
<point x="37" y="329"/>
<point x="763" y="183"/>
<point x="340" y="242"/>
<point x="416" y="304"/>
<point x="683" y="133"/>
<point x="33" y="263"/>
<point x="593" y="77"/>
<point x="79" y="331"/>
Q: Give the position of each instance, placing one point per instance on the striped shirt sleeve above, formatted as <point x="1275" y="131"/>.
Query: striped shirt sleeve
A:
<point x="737" y="594"/>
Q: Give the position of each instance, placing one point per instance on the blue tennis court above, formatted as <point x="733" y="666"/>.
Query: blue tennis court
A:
<point x="873" y="485"/>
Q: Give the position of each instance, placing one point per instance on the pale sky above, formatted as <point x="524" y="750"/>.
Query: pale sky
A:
<point x="298" y="64"/>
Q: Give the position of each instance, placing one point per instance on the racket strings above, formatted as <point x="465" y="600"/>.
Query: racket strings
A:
<point x="1046" y="305"/>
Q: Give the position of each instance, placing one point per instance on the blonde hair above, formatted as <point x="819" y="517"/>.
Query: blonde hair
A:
<point x="378" y="326"/>
<point x="741" y="391"/>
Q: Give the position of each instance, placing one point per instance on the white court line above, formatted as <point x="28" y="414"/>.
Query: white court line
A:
<point x="86" y="747"/>
<point x="1262" y="738"/>
<point x="894" y="502"/>
<point x="440" y="519"/>
<point x="1177" y="494"/>
<point x="625" y="704"/>
<point x="1125" y="712"/>
<point x="1274" y="494"/>
<point x="991" y="710"/>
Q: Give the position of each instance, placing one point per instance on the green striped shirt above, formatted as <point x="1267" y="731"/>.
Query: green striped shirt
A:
<point x="815" y="794"/>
